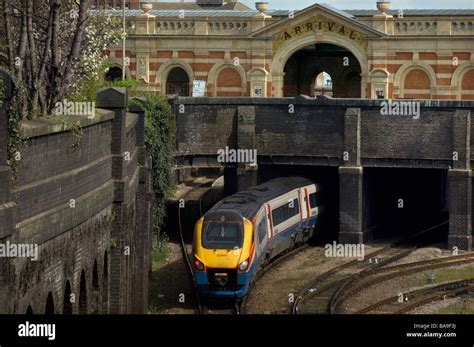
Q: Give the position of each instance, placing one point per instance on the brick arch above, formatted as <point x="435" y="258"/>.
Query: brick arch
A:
<point x="287" y="50"/>
<point x="229" y="82"/>
<point x="417" y="85"/>
<point x="414" y="80"/>
<point x="165" y="69"/>
<point x="467" y="85"/>
<point x="462" y="81"/>
<point x="117" y="63"/>
<point x="227" y="79"/>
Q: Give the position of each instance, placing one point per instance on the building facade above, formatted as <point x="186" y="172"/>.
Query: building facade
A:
<point x="237" y="51"/>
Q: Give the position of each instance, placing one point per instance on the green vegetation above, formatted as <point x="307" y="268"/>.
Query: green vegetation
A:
<point x="466" y="306"/>
<point x="160" y="132"/>
<point x="161" y="252"/>
<point x="72" y="124"/>
<point x="87" y="91"/>
<point x="450" y="274"/>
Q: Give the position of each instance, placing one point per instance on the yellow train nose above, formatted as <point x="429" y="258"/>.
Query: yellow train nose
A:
<point x="222" y="258"/>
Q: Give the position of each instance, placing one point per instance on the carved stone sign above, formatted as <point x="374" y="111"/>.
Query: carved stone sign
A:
<point x="318" y="24"/>
<point x="142" y="68"/>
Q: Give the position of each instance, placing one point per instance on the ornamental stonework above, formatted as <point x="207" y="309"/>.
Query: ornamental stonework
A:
<point x="318" y="24"/>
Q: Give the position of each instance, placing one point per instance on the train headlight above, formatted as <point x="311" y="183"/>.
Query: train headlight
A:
<point x="198" y="265"/>
<point x="243" y="266"/>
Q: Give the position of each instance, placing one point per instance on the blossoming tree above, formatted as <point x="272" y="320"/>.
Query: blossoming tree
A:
<point x="50" y="47"/>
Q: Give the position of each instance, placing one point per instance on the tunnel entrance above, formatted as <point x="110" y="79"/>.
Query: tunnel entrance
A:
<point x="399" y="202"/>
<point x="339" y="66"/>
<point x="328" y="178"/>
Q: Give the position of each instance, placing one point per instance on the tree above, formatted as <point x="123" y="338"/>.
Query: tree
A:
<point x="49" y="47"/>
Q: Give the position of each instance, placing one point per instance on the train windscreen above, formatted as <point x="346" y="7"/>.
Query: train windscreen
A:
<point x="222" y="235"/>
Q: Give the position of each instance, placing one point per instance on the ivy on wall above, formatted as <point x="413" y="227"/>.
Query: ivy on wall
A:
<point x="160" y="132"/>
<point x="15" y="140"/>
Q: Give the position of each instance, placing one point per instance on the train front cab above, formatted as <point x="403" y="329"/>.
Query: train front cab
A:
<point x="223" y="249"/>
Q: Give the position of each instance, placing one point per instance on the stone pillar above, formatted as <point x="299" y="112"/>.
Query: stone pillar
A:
<point x="460" y="184"/>
<point x="278" y="81"/>
<point x="246" y="172"/>
<point x="143" y="222"/>
<point x="351" y="182"/>
<point x="116" y="99"/>
<point x="383" y="21"/>
<point x="145" y="23"/>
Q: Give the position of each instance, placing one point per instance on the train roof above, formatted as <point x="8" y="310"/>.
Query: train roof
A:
<point x="248" y="202"/>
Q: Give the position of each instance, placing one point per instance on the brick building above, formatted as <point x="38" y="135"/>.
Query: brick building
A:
<point x="239" y="51"/>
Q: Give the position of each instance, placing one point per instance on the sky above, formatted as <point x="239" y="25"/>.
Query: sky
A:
<point x="367" y="4"/>
<point x="358" y="4"/>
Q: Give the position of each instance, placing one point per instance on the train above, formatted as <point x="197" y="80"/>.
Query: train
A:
<point x="245" y="231"/>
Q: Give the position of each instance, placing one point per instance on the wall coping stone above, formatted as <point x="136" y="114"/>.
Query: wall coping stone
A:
<point x="320" y="100"/>
<point x="40" y="127"/>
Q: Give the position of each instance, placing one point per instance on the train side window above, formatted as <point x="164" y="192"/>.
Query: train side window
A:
<point x="285" y="212"/>
<point x="262" y="230"/>
<point x="278" y="215"/>
<point x="296" y="207"/>
<point x="313" y="199"/>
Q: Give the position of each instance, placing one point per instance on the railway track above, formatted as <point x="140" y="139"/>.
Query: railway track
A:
<point x="359" y="282"/>
<point x="326" y="292"/>
<point x="197" y="189"/>
<point x="196" y="193"/>
<point x="315" y="297"/>
<point x="416" y="298"/>
<point x="241" y="308"/>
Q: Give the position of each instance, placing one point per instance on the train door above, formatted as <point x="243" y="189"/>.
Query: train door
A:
<point x="261" y="234"/>
<point x="314" y="197"/>
<point x="305" y="209"/>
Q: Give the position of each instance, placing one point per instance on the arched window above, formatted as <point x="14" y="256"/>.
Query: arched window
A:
<point x="323" y="84"/>
<point x="177" y="82"/>
<point x="322" y="68"/>
<point x="114" y="73"/>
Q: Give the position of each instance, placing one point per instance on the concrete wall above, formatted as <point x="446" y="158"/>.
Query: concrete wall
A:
<point x="82" y="202"/>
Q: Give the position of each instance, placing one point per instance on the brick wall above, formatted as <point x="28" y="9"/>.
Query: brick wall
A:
<point x="315" y="130"/>
<point x="81" y="218"/>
